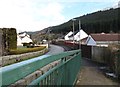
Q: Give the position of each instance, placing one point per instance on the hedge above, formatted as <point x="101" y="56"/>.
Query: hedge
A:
<point x="25" y="50"/>
<point x="10" y="38"/>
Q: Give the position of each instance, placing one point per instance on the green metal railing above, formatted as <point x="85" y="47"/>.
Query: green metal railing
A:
<point x="65" y="73"/>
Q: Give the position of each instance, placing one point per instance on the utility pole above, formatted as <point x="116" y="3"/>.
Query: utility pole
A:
<point x="73" y="33"/>
<point x="79" y="34"/>
<point x="48" y="37"/>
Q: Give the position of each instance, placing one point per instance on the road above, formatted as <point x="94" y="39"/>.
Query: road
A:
<point x="54" y="49"/>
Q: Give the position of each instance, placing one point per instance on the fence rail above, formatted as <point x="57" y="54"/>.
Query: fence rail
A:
<point x="64" y="73"/>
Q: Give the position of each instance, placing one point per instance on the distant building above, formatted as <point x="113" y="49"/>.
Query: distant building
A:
<point x="103" y="39"/>
<point x="22" y="35"/>
<point x="23" y="38"/>
<point x="90" y="41"/>
<point x="67" y="36"/>
<point x="19" y="41"/>
<point x="79" y="35"/>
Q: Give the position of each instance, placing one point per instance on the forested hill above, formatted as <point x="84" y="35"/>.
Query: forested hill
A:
<point x="97" y="22"/>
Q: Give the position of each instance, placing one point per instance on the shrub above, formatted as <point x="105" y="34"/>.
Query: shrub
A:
<point x="26" y="50"/>
<point x="115" y="59"/>
<point x="10" y="38"/>
<point x="118" y="64"/>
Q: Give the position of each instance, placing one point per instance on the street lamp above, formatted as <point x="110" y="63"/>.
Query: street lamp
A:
<point x="73" y="32"/>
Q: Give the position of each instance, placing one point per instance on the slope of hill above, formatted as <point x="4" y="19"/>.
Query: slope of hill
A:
<point x="97" y="22"/>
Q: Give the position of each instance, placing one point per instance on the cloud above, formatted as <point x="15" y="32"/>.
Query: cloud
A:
<point x="33" y="15"/>
<point x="52" y="10"/>
<point x="116" y="4"/>
<point x="84" y="0"/>
<point x="30" y="15"/>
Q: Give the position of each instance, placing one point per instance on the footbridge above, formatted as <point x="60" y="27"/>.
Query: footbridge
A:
<point x="58" y="69"/>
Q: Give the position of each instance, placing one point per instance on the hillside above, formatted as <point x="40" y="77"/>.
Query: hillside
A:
<point x="101" y="21"/>
<point x="97" y="22"/>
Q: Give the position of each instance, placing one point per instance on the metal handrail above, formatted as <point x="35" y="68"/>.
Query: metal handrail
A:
<point x="63" y="74"/>
<point x="12" y="73"/>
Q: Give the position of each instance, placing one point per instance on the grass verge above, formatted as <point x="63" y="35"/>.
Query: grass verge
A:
<point x="26" y="58"/>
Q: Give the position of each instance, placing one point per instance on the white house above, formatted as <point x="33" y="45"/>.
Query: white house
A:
<point x="19" y="41"/>
<point x="67" y="36"/>
<point x="90" y="41"/>
<point x="77" y="35"/>
<point x="23" y="38"/>
<point x="80" y="35"/>
<point x="22" y="34"/>
<point x="26" y="39"/>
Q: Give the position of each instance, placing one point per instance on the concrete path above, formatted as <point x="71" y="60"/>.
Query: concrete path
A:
<point x="55" y="49"/>
<point x="90" y="74"/>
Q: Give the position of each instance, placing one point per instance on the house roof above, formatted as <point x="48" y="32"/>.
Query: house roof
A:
<point x="90" y="41"/>
<point x="26" y="39"/>
<point x="106" y="37"/>
<point x="67" y="36"/>
<point x="79" y="35"/>
<point x="74" y="34"/>
<point x="23" y="38"/>
<point x="70" y="33"/>
<point x="22" y="35"/>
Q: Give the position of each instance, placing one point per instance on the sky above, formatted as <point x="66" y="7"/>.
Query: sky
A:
<point x="35" y="15"/>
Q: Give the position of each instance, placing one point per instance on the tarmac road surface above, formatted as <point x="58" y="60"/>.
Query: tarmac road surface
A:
<point x="55" y="49"/>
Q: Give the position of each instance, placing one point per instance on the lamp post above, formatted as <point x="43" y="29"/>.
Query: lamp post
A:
<point x="73" y="32"/>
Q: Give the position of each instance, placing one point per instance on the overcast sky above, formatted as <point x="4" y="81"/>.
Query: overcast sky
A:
<point x="34" y="15"/>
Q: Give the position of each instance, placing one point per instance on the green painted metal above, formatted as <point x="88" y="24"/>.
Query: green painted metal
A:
<point x="63" y="74"/>
<point x="15" y="72"/>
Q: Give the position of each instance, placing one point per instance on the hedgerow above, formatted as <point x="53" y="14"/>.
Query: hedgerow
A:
<point x="26" y="50"/>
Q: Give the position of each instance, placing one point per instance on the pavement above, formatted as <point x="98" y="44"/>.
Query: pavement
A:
<point x="90" y="74"/>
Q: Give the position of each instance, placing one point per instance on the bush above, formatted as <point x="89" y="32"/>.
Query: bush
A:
<point x="115" y="60"/>
<point x="10" y="38"/>
<point x="117" y="64"/>
<point x="26" y="50"/>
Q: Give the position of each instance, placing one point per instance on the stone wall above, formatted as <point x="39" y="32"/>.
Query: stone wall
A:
<point x="10" y="59"/>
